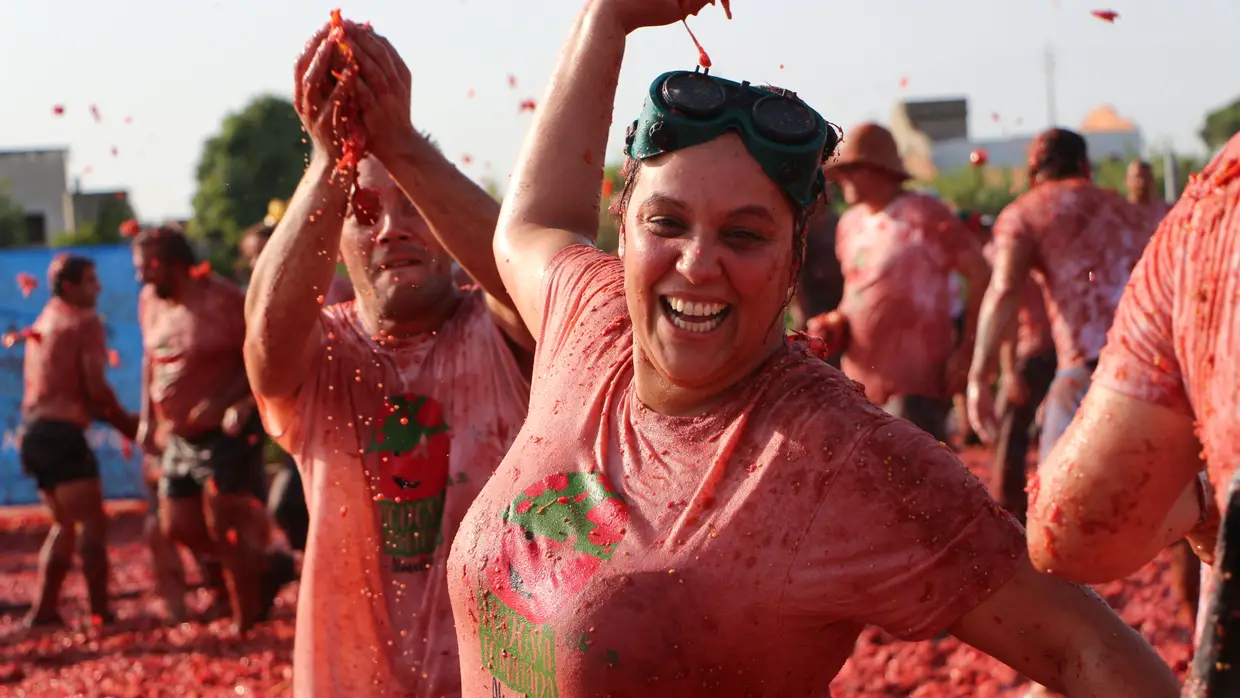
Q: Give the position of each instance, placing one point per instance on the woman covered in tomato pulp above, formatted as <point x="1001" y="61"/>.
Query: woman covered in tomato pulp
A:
<point x="696" y="506"/>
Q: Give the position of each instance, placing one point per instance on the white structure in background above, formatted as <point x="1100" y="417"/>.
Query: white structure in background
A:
<point x="933" y="138"/>
<point x="35" y="179"/>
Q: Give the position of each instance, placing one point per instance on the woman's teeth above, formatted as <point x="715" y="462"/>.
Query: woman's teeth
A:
<point x="694" y="316"/>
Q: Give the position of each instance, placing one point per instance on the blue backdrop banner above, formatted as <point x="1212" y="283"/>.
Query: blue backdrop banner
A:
<point x="118" y="307"/>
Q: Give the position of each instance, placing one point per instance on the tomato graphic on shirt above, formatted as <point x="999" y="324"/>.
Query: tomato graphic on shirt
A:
<point x="411" y="450"/>
<point x="413" y="443"/>
<point x="556" y="535"/>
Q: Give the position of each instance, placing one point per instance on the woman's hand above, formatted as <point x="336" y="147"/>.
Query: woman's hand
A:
<point x="316" y="92"/>
<point x="635" y="14"/>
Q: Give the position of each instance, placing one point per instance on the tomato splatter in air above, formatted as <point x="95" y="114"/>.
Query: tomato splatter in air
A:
<point x="727" y="7"/>
<point x="200" y="270"/>
<point x="114" y="358"/>
<point x="703" y="59"/>
<point x="12" y="337"/>
<point x="527" y="105"/>
<point x="130" y="228"/>
<point x="94" y="112"/>
<point x="114" y="151"/>
<point x="1105" y="15"/>
<point x="979" y="157"/>
<point x="512" y="81"/>
<point x="904" y="81"/>
<point x="58" y="110"/>
<point x="27" y="283"/>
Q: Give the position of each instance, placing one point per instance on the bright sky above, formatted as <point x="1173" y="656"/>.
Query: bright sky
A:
<point x="178" y="67"/>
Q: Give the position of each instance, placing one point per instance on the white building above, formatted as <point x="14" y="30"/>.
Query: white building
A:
<point x="36" y="180"/>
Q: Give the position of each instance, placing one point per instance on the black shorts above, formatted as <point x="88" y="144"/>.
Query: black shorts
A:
<point x="234" y="463"/>
<point x="55" y="453"/>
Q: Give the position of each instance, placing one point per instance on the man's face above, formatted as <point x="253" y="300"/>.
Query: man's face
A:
<point x="149" y="270"/>
<point x="84" y="293"/>
<point x="396" y="260"/>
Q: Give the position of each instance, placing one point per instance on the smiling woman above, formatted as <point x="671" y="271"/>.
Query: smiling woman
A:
<point x="694" y="504"/>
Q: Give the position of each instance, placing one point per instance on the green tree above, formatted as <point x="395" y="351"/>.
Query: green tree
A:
<point x="259" y="155"/>
<point x="12" y="220"/>
<point x="1221" y="124"/>
<point x="608" y="238"/>
<point x="981" y="190"/>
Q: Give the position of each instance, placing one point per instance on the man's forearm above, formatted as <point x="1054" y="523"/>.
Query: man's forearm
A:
<point x="296" y="268"/>
<point x="460" y="213"/>
<point x="996" y="318"/>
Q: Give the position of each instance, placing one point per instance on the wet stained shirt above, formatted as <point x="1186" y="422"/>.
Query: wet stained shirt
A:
<point x="898" y="294"/>
<point x="393" y="440"/>
<point x="621" y="552"/>
<point x="194" y="348"/>
<point x="1085" y="241"/>
<point x="65" y="337"/>
<point x="1177" y="332"/>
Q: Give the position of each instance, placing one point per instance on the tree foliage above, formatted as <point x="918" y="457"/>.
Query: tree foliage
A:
<point x="12" y="220"/>
<point x="980" y="190"/>
<point x="1221" y="124"/>
<point x="258" y="155"/>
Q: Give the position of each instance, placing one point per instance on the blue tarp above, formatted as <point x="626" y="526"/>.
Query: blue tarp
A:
<point x="118" y="307"/>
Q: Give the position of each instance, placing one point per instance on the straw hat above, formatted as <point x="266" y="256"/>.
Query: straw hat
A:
<point x="873" y="146"/>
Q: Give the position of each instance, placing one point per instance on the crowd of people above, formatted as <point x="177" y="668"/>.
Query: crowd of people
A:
<point x="590" y="474"/>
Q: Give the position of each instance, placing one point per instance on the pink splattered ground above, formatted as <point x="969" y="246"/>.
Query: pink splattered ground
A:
<point x="140" y="656"/>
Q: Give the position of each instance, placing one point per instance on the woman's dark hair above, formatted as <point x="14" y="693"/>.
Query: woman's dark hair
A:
<point x="169" y="245"/>
<point x="1059" y="154"/>
<point x="801" y="214"/>
<point x="68" y="268"/>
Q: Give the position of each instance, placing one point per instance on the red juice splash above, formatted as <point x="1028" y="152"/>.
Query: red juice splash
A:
<point x="727" y="7"/>
<point x="703" y="59"/>
<point x="1105" y="15"/>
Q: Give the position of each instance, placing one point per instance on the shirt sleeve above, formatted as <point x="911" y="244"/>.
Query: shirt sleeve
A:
<point x="906" y="538"/>
<point x="582" y="287"/>
<point x="1139" y="359"/>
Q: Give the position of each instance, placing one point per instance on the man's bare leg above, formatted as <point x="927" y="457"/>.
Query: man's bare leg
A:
<point x="79" y="501"/>
<point x="242" y="539"/>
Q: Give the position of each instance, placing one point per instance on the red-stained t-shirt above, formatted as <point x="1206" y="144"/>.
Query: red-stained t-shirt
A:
<point x="54" y="376"/>
<point x="1176" y="339"/>
<point x="1033" y="325"/>
<point x="897" y="267"/>
<point x="394" y="440"/>
<point x="622" y="552"/>
<point x="1085" y="242"/>
<point x="195" y="348"/>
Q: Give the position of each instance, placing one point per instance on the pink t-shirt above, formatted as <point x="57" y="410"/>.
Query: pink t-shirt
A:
<point x="394" y="440"/>
<point x="618" y="551"/>
<point x="1033" y="325"/>
<point x="1085" y="240"/>
<point x="1176" y="340"/>
<point x="897" y="267"/>
<point x="53" y="363"/>
<point x="195" y="348"/>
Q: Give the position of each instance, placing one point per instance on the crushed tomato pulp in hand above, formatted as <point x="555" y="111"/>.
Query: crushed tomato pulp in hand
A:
<point x="347" y="120"/>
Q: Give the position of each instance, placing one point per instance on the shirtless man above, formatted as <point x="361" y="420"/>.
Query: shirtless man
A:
<point x="65" y="391"/>
<point x="399" y="405"/>
<point x="199" y="414"/>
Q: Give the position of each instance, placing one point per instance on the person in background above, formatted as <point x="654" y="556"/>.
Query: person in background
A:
<point x="255" y="239"/>
<point x="398" y="405"/>
<point x="1151" y="455"/>
<point x="66" y="356"/>
<point x="1027" y="367"/>
<point x="1080" y="242"/>
<point x="1139" y="181"/>
<point x="820" y="285"/>
<point x="198" y="413"/>
<point x="898" y="250"/>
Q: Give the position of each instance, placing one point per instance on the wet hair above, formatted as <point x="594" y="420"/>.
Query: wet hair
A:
<point x="1059" y="154"/>
<point x="800" y="222"/>
<point x="67" y="268"/>
<point x="168" y="244"/>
